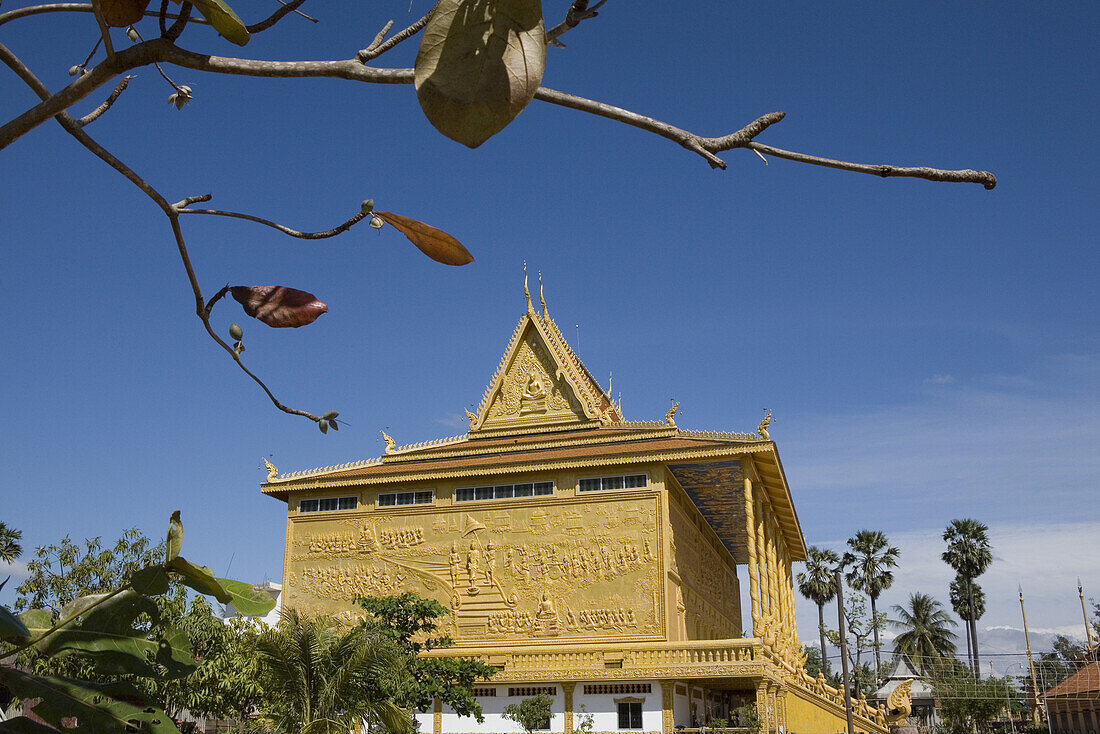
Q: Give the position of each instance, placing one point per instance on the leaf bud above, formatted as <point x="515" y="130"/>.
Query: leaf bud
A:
<point x="132" y="34"/>
<point x="323" y="425"/>
<point x="172" y="98"/>
<point x="368" y="206"/>
<point x="236" y="331"/>
<point x="333" y="425"/>
<point x="74" y="70"/>
<point x="376" y="222"/>
<point x="330" y="416"/>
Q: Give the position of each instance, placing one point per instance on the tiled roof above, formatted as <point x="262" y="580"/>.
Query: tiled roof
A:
<point x="1084" y="681"/>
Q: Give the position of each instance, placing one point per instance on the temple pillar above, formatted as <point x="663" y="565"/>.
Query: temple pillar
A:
<point x="667" y="722"/>
<point x="762" y="703"/>
<point x="437" y="716"/>
<point x="762" y="556"/>
<point x="750" y="547"/>
<point x="567" y="715"/>
<point x="773" y="572"/>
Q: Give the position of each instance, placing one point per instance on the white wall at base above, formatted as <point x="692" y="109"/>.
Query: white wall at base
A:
<point x="681" y="706"/>
<point x="492" y="708"/>
<point x="605" y="713"/>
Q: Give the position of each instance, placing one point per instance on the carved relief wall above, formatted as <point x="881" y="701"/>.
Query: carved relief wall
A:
<point x="704" y="578"/>
<point x="515" y="572"/>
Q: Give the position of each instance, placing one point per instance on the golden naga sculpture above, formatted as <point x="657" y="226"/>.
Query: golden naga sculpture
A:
<point x="272" y="472"/>
<point x="670" y="416"/>
<point x="390" y="443"/>
<point x="471" y="417"/>
<point x="762" y="429"/>
<point x="899" y="704"/>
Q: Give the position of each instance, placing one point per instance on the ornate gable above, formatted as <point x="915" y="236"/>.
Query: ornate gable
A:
<point x="541" y="382"/>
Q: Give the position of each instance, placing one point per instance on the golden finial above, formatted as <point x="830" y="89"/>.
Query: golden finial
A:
<point x="527" y="293"/>
<point x="272" y="472"/>
<point x="899" y="704"/>
<point x="762" y="429"/>
<point x="390" y="443"/>
<point x="542" y="299"/>
<point x="670" y="416"/>
<point x="470" y="417"/>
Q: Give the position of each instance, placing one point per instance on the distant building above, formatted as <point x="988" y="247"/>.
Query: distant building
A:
<point x="924" y="701"/>
<point x="1073" y="706"/>
<point x="585" y="556"/>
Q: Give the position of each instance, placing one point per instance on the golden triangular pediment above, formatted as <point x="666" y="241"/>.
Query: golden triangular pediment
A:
<point x="541" y="382"/>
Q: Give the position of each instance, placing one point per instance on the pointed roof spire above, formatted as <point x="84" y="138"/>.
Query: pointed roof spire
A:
<point x="527" y="293"/>
<point x="542" y="299"/>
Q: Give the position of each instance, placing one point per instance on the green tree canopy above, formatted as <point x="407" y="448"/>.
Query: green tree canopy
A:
<point x="410" y="622"/>
<point x="969" y="553"/>
<point x="10" y="549"/>
<point x="870" y="560"/>
<point x="318" y="676"/>
<point x="925" y="635"/>
<point x="532" y="714"/>
<point x="818" y="584"/>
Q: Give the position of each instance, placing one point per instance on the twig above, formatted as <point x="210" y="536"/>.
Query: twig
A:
<point x="180" y="23"/>
<point x="73" y="128"/>
<point x="283" y="11"/>
<point x="578" y="11"/>
<point x="377" y="48"/>
<point x="310" y="18"/>
<point x="90" y="55"/>
<point x="344" y="227"/>
<point x="94" y="114"/>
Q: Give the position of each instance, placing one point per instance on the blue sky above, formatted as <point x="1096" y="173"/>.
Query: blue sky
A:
<point x="929" y="351"/>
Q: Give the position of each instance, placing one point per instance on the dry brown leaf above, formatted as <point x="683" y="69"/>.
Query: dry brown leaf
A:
<point x="435" y="243"/>
<point x="121" y="13"/>
<point x="279" y="306"/>
<point x="480" y="63"/>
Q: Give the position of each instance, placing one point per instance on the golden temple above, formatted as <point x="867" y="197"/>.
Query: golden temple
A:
<point x="592" y="558"/>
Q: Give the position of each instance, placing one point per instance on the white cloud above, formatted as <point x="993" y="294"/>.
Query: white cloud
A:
<point x="939" y="380"/>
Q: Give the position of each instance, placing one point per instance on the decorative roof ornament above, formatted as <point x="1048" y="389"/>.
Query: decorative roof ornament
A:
<point x="527" y="293"/>
<point x="390" y="443"/>
<point x="272" y="472"/>
<point x="899" y="704"/>
<point x="542" y="299"/>
<point x="670" y="416"/>
<point x="762" y="429"/>
<point x="472" y="417"/>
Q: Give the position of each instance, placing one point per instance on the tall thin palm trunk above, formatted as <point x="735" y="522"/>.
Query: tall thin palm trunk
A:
<point x="973" y="629"/>
<point x="821" y="632"/>
<point x="874" y="628"/>
<point x="969" y="647"/>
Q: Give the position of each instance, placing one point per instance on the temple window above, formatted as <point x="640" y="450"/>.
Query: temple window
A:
<point x="630" y="715"/>
<point x="328" y="503"/>
<point x="395" y="499"/>
<point x="504" y="491"/>
<point x="630" y="481"/>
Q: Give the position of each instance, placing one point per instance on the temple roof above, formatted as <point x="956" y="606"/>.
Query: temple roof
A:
<point x="543" y="410"/>
<point x="1085" y="682"/>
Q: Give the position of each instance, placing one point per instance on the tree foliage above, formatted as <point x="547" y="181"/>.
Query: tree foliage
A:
<point x="10" y="549"/>
<point x="410" y="623"/>
<point x="969" y="553"/>
<point x="318" y="676"/>
<point x="870" y="559"/>
<point x="969" y="704"/>
<point x="818" y="584"/>
<point x="532" y="714"/>
<point x="120" y="643"/>
<point x="925" y="631"/>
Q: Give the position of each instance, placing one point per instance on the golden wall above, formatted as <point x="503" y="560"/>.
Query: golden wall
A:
<point x="569" y="567"/>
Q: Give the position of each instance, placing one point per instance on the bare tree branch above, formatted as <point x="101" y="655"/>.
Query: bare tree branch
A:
<point x="343" y="227"/>
<point x="94" y="114"/>
<point x="74" y="128"/>
<point x="285" y="10"/>
<point x="377" y="48"/>
<point x="578" y="11"/>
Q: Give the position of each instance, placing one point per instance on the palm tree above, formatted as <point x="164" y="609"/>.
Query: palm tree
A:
<point x="926" y="637"/>
<point x="816" y="584"/>
<point x="871" y="559"/>
<point x="969" y="553"/>
<point x="960" y="602"/>
<point x="9" y="543"/>
<point x="317" y="676"/>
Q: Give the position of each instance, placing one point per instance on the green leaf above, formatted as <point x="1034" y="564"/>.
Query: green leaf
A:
<point x="11" y="627"/>
<point x="79" y="604"/>
<point x="150" y="581"/>
<point x="175" y="536"/>
<point x="247" y="599"/>
<point x="224" y="20"/>
<point x="174" y="654"/>
<point x="37" y="618"/>
<point x="200" y="578"/>
<point x="23" y="725"/>
<point x="480" y="63"/>
<point x="103" y="707"/>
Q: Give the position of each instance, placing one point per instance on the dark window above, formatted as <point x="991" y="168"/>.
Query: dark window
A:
<point x="631" y="481"/>
<point x="394" y="499"/>
<point x="504" y="491"/>
<point x="630" y="716"/>
<point x="328" y="503"/>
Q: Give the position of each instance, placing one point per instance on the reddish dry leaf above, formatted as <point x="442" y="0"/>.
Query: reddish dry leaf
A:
<point x="279" y="306"/>
<point x="121" y="13"/>
<point x="435" y="243"/>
